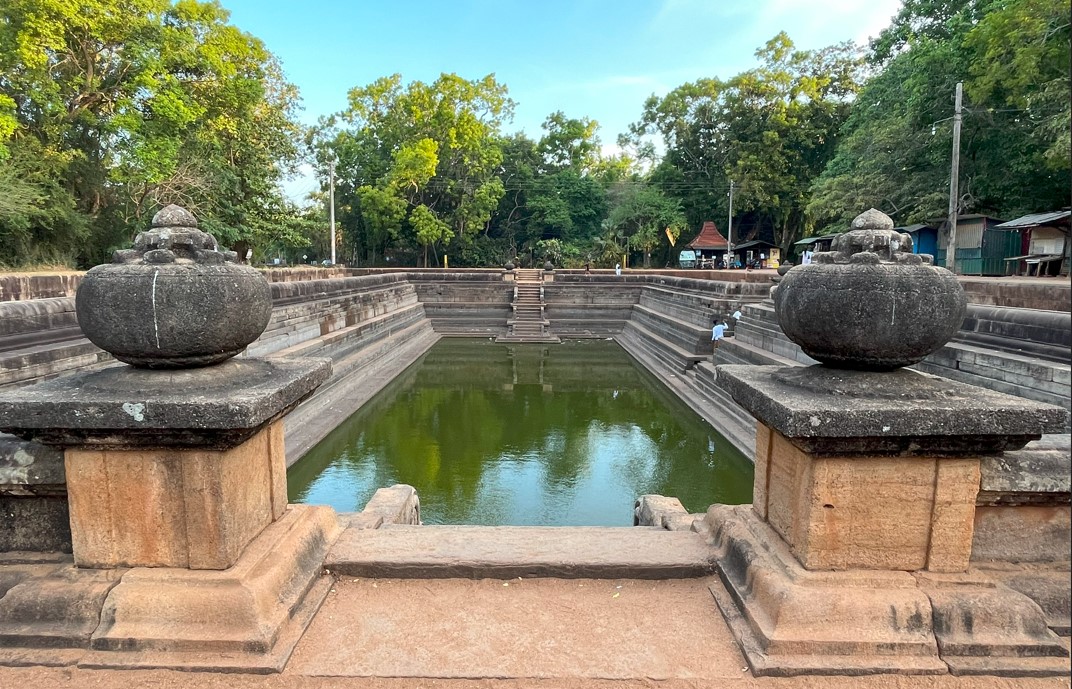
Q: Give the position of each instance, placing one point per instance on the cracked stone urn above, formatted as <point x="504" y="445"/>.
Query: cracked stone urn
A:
<point x="870" y="303"/>
<point x="174" y="300"/>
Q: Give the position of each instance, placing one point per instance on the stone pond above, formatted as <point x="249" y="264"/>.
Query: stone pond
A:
<point x="899" y="522"/>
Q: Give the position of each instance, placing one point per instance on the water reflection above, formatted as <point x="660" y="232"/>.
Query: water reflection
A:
<point x="490" y="433"/>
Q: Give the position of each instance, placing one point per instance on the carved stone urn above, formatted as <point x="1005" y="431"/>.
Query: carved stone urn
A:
<point x="174" y="300"/>
<point x="870" y="303"/>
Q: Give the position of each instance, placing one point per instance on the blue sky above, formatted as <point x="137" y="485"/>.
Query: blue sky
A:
<point x="587" y="58"/>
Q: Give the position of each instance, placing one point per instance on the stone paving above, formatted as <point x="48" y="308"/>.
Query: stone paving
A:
<point x="494" y="634"/>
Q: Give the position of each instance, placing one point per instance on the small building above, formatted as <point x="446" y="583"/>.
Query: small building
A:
<point x="1044" y="243"/>
<point x="710" y="246"/>
<point x="981" y="247"/>
<point x="924" y="237"/>
<point x="756" y="250"/>
<point x="813" y="244"/>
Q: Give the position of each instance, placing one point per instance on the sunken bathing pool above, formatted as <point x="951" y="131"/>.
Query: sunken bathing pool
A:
<point x="502" y="434"/>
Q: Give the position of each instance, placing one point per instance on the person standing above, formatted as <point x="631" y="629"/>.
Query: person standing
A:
<point x="718" y="333"/>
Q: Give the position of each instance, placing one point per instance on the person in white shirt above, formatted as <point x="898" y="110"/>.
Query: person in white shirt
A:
<point x="718" y="333"/>
<point x="618" y="269"/>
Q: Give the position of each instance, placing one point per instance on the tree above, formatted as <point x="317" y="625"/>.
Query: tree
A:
<point x="114" y="107"/>
<point x="435" y="146"/>
<point x="895" y="155"/>
<point x="429" y="229"/>
<point x="641" y="216"/>
<point x="771" y="130"/>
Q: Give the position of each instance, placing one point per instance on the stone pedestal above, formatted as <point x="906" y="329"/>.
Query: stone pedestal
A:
<point x="855" y="555"/>
<point x="176" y="482"/>
<point x="175" y="507"/>
<point x="855" y="511"/>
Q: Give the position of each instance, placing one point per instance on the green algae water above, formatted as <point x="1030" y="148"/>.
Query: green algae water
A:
<point x="501" y="434"/>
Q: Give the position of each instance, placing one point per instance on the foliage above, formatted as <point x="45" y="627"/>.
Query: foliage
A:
<point x="640" y="218"/>
<point x="771" y="130"/>
<point x="112" y="108"/>
<point x="1012" y="56"/>
<point x="432" y="150"/>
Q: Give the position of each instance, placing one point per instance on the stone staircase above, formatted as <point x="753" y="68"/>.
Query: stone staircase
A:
<point x="528" y="323"/>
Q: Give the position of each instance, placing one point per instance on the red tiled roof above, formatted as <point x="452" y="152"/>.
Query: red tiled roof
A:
<point x="709" y="238"/>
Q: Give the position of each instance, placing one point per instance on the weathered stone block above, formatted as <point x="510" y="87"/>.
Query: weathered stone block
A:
<point x="655" y="510"/>
<point x="398" y="504"/>
<point x="852" y="512"/>
<point x="174" y="507"/>
<point x="1022" y="533"/>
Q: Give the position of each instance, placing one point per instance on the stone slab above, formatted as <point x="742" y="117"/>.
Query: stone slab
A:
<point x="52" y="606"/>
<point x="827" y="410"/>
<point x="534" y="630"/>
<point x="1022" y="533"/>
<point x="790" y="621"/>
<point x="118" y="407"/>
<point x="30" y="468"/>
<point x="985" y="628"/>
<point x="501" y="552"/>
<point x="246" y="618"/>
<point x="1043" y="468"/>
<point x="34" y="523"/>
<point x="174" y="507"/>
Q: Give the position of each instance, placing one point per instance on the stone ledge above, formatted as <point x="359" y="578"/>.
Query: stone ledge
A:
<point x="216" y="407"/>
<point x="826" y="410"/>
<point x="503" y="552"/>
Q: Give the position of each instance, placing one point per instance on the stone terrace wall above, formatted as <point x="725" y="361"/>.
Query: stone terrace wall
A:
<point x="1047" y="294"/>
<point x="25" y="286"/>
<point x="28" y="286"/>
<point x="472" y="303"/>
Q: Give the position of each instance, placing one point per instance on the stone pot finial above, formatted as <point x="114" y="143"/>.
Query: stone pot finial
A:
<point x="870" y="303"/>
<point x="548" y="266"/>
<point x="174" y="300"/>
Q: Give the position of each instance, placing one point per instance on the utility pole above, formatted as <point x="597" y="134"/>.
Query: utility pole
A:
<point x="729" y="231"/>
<point x="954" y="192"/>
<point x="331" y="206"/>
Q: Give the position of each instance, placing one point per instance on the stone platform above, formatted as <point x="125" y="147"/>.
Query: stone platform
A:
<point x="504" y="552"/>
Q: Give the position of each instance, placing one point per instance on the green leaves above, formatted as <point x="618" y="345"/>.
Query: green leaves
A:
<point x="139" y="103"/>
<point x="895" y="155"/>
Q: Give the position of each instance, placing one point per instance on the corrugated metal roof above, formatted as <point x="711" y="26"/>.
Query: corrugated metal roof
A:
<point x="913" y="228"/>
<point x="1035" y="219"/>
<point x="812" y="240"/>
<point x="750" y="244"/>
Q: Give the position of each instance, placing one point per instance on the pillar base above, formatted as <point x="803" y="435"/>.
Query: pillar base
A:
<point x="247" y="618"/>
<point x="792" y="621"/>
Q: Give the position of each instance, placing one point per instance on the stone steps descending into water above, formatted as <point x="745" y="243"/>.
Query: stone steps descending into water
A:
<point x="528" y="323"/>
<point x="509" y="552"/>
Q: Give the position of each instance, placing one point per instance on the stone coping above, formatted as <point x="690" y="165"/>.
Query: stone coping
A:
<point x="122" y="407"/>
<point x="837" y="411"/>
<point x="1039" y="470"/>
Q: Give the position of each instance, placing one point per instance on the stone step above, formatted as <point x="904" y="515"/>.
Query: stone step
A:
<point x="508" y="552"/>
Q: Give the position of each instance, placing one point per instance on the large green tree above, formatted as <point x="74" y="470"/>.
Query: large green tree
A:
<point x="111" y="108"/>
<point x="434" y="147"/>
<point x="770" y="129"/>
<point x="1013" y="58"/>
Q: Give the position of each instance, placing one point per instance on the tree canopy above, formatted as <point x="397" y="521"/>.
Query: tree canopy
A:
<point x="110" y="109"/>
